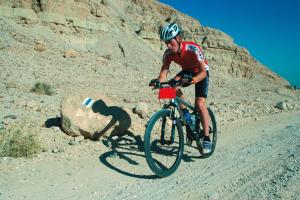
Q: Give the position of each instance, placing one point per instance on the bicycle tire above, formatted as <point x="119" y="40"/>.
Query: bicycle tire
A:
<point x="154" y="164"/>
<point x="213" y="135"/>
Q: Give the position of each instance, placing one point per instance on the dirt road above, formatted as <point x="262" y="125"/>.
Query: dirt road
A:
<point x="257" y="160"/>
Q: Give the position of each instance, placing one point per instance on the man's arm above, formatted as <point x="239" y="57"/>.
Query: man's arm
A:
<point x="163" y="72"/>
<point x="199" y="77"/>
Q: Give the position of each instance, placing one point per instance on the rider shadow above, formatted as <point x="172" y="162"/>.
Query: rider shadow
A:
<point x="118" y="115"/>
<point x="124" y="148"/>
<point x="121" y="142"/>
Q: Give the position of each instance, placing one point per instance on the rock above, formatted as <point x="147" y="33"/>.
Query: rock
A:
<point x="10" y="116"/>
<point x="58" y="149"/>
<point x="40" y="46"/>
<point x="96" y="117"/>
<point x="212" y="103"/>
<point x="71" y="53"/>
<point x="281" y="105"/>
<point x="55" y="128"/>
<point x="8" y="119"/>
<point x="141" y="109"/>
<point x="291" y="106"/>
<point x="55" y="150"/>
<point x="79" y="139"/>
<point x="32" y="105"/>
<point x="128" y="100"/>
<point x="6" y="122"/>
<point x="138" y="29"/>
<point x="73" y="142"/>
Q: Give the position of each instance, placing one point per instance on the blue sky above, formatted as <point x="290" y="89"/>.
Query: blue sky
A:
<point x="269" y="29"/>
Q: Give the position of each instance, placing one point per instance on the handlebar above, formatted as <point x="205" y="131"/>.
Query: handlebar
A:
<point x="170" y="83"/>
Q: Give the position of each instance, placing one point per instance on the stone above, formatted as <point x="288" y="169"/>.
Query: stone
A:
<point x="281" y="105"/>
<point x="32" y="105"/>
<point x="73" y="142"/>
<point x="55" y="128"/>
<point x="96" y="117"/>
<point x="55" y="150"/>
<point x="141" y="109"/>
<point x="70" y="53"/>
<point x="79" y="139"/>
<point x="40" y="47"/>
<point x="10" y="116"/>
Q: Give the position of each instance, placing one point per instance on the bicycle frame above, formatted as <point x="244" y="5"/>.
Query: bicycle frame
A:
<point x="175" y="103"/>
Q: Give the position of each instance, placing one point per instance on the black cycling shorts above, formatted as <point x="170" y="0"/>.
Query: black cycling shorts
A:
<point x="201" y="88"/>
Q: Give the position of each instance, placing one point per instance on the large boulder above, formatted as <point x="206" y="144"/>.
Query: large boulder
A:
<point x="90" y="114"/>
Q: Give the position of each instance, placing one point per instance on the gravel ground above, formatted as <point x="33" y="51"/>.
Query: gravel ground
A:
<point x="259" y="160"/>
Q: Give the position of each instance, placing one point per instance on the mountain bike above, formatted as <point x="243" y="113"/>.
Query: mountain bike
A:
<point x="164" y="135"/>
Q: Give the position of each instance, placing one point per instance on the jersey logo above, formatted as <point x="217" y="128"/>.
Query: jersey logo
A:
<point x="197" y="51"/>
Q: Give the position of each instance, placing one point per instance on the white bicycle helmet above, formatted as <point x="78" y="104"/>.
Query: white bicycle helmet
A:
<point x="169" y="31"/>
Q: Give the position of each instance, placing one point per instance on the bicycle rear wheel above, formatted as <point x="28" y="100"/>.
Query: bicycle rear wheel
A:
<point x="163" y="154"/>
<point x="212" y="133"/>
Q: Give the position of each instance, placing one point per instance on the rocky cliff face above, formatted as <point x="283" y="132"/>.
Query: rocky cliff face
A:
<point x="123" y="29"/>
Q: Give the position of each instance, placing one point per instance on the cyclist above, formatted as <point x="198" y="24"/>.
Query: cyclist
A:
<point x="189" y="56"/>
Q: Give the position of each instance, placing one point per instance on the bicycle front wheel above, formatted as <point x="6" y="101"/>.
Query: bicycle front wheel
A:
<point x="163" y="143"/>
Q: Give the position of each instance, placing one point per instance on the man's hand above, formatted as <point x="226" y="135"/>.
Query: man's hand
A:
<point x="173" y="82"/>
<point x="154" y="83"/>
<point x="186" y="80"/>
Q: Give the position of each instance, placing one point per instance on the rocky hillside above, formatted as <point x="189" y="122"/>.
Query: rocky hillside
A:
<point x="113" y="46"/>
<point x="124" y="30"/>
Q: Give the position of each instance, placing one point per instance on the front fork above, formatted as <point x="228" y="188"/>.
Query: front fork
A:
<point x="163" y="129"/>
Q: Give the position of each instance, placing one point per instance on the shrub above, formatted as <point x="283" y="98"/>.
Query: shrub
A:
<point x="42" y="88"/>
<point x="14" y="144"/>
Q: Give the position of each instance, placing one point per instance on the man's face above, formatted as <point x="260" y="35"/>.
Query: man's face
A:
<point x="172" y="45"/>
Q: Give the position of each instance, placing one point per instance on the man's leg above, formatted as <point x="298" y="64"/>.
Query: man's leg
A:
<point x="180" y="94"/>
<point x="200" y="103"/>
<point x="203" y="112"/>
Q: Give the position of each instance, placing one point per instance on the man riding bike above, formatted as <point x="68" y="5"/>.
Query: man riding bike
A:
<point x="189" y="56"/>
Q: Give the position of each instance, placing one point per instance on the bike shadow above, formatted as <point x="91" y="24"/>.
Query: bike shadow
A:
<point x="126" y="148"/>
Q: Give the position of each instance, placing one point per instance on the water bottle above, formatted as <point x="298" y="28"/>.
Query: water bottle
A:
<point x="190" y="118"/>
<point x="187" y="116"/>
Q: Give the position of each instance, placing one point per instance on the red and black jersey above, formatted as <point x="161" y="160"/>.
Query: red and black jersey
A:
<point x="189" y="57"/>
